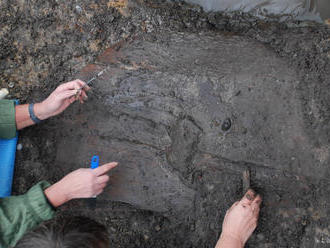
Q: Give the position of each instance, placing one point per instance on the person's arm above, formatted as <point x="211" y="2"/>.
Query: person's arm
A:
<point x="240" y="221"/>
<point x="81" y="183"/>
<point x="20" y="213"/>
<point x="55" y="103"/>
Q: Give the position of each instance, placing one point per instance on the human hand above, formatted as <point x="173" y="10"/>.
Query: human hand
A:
<point x="240" y="220"/>
<point x="61" y="98"/>
<point x="81" y="183"/>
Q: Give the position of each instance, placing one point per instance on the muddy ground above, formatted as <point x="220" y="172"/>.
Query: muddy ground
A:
<point x="176" y="77"/>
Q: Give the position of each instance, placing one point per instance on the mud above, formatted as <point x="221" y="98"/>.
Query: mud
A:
<point x="190" y="102"/>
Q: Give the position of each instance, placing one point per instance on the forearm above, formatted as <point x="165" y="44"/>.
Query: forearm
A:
<point x="22" y="115"/>
<point x="54" y="104"/>
<point x="229" y="242"/>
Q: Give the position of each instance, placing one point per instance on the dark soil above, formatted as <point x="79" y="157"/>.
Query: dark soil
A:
<point x="189" y="102"/>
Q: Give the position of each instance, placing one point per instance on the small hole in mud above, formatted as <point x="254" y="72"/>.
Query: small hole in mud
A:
<point x="226" y="125"/>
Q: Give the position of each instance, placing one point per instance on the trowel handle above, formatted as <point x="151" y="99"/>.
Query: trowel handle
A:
<point x="95" y="162"/>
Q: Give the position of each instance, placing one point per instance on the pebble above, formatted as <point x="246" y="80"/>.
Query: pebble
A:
<point x="327" y="21"/>
<point x="3" y="93"/>
<point x="157" y="228"/>
<point x="78" y="9"/>
<point x="19" y="147"/>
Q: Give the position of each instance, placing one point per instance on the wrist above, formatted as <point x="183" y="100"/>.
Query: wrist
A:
<point x="56" y="194"/>
<point x="229" y="241"/>
<point x="40" y="111"/>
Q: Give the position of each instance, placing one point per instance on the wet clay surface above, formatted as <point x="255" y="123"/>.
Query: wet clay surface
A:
<point x="190" y="101"/>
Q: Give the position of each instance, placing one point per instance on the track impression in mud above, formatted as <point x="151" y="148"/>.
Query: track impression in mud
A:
<point x="185" y="115"/>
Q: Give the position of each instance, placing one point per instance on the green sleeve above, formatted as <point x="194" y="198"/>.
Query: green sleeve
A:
<point x="7" y="119"/>
<point x="18" y="214"/>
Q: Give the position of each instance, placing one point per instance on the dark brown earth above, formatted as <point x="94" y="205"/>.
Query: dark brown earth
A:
<point x="176" y="77"/>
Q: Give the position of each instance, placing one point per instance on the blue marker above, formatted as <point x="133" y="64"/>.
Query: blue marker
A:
<point x="95" y="162"/>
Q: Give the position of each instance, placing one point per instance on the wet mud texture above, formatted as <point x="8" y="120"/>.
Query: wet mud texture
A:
<point x="189" y="102"/>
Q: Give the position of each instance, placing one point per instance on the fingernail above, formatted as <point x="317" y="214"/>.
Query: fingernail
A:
<point x="250" y="195"/>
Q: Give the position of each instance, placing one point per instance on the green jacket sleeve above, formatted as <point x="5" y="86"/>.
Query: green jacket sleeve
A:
<point x="21" y="213"/>
<point x="7" y="119"/>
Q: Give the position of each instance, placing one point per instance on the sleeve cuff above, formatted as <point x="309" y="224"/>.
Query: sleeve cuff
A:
<point x="7" y="119"/>
<point x="19" y="214"/>
<point x="38" y="202"/>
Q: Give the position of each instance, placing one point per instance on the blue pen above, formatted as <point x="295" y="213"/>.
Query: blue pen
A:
<point x="95" y="162"/>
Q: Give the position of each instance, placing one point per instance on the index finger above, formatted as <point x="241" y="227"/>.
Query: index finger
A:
<point x="72" y="85"/>
<point x="104" y="168"/>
